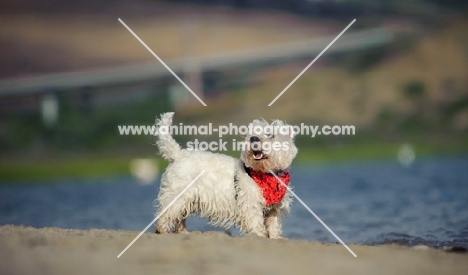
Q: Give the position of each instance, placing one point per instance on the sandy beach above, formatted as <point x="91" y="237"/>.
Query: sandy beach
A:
<point x="27" y="250"/>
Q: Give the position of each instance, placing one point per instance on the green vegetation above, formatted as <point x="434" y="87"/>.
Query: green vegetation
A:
<point x="92" y="135"/>
<point x="415" y="90"/>
<point x="382" y="90"/>
<point x="25" y="170"/>
<point x="97" y="167"/>
<point x="376" y="150"/>
<point x="79" y="129"/>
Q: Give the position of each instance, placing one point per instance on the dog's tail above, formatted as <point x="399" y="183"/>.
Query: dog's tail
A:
<point x="168" y="147"/>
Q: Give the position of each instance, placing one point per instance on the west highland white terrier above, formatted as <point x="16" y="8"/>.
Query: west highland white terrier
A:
<point x="232" y="192"/>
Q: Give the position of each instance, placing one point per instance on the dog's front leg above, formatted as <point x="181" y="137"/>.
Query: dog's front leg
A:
<point x="273" y="223"/>
<point x="249" y="204"/>
<point x="252" y="221"/>
<point x="255" y="223"/>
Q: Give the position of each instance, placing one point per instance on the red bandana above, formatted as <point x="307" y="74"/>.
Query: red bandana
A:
<point x="273" y="189"/>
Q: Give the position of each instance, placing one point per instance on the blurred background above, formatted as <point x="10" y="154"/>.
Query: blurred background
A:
<point x="70" y="73"/>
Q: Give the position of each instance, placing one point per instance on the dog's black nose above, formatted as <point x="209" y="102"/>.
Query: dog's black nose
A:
<point x="254" y="139"/>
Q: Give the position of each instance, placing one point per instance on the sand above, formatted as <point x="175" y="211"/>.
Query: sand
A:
<point x="27" y="250"/>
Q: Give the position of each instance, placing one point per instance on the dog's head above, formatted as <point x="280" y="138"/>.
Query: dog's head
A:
<point x="269" y="146"/>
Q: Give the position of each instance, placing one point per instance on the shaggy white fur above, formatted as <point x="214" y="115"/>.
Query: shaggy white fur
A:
<point x="225" y="193"/>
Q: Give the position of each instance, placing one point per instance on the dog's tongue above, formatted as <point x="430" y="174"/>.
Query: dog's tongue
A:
<point x="257" y="155"/>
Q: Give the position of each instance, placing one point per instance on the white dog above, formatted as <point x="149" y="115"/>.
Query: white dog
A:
<point x="240" y="192"/>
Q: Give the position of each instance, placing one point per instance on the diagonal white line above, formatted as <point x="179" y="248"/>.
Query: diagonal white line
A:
<point x="313" y="61"/>
<point x="162" y="62"/>
<point x="160" y="214"/>
<point x="313" y="214"/>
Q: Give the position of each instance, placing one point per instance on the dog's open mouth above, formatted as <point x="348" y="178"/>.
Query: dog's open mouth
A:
<point x="258" y="155"/>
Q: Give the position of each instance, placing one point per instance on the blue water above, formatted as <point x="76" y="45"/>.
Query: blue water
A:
<point x="366" y="203"/>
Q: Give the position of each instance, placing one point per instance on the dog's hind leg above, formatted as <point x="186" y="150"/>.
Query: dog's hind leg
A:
<point x="168" y="224"/>
<point x="172" y="219"/>
<point x="164" y="225"/>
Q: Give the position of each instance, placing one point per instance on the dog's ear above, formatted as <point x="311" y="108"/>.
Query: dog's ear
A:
<point x="277" y="123"/>
<point x="284" y="129"/>
<point x="291" y="132"/>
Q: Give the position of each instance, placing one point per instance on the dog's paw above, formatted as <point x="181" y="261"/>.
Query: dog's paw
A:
<point x="260" y="234"/>
<point x="184" y="231"/>
<point x="278" y="238"/>
<point x="157" y="231"/>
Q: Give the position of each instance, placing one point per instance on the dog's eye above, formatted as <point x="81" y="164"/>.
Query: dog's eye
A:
<point x="268" y="135"/>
